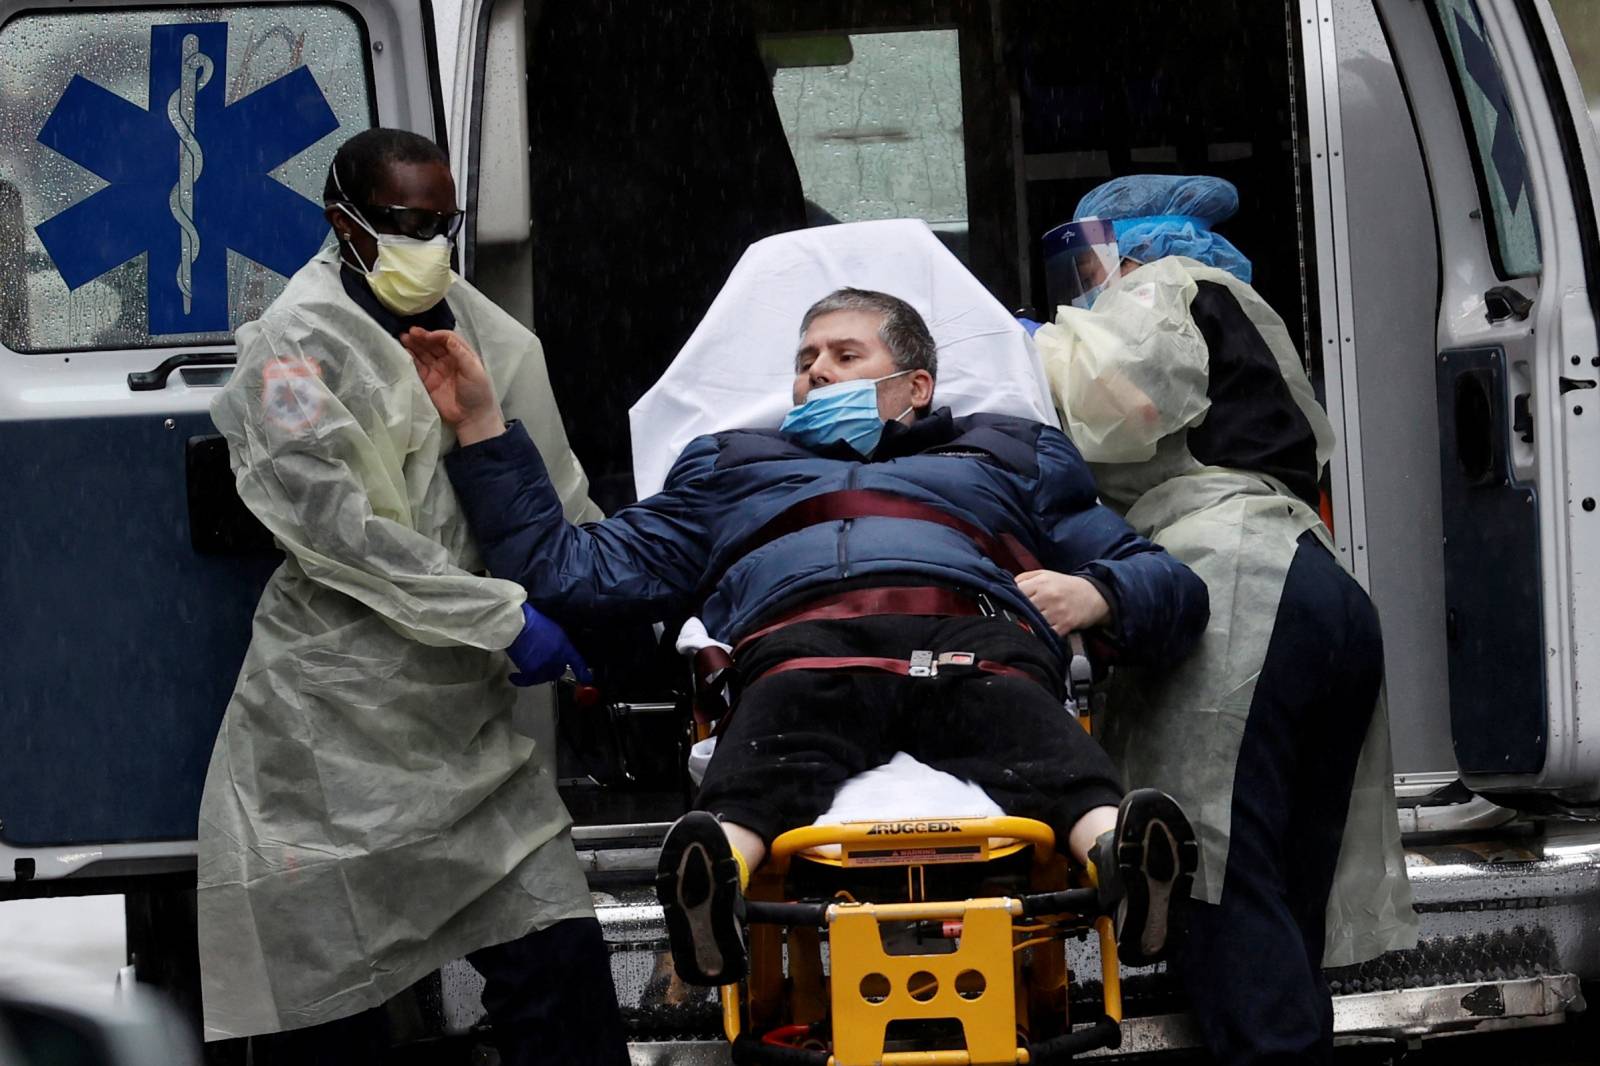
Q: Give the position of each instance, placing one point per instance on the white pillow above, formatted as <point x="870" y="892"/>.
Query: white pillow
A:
<point x="737" y="369"/>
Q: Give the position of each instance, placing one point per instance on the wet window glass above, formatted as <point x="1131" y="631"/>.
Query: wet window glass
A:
<point x="161" y="170"/>
<point x="1497" y="144"/>
<point x="874" y="123"/>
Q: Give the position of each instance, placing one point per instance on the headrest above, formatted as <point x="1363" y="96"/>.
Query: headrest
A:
<point x="737" y="370"/>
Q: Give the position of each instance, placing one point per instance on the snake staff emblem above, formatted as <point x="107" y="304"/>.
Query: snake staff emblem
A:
<point x="196" y="72"/>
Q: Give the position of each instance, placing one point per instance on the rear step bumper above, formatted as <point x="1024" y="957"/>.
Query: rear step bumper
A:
<point x="1402" y="1014"/>
<point x="1361" y="1018"/>
<point x="1508" y="930"/>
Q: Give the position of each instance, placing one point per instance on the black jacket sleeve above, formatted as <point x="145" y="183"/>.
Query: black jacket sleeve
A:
<point x="642" y="563"/>
<point x="1160" y="606"/>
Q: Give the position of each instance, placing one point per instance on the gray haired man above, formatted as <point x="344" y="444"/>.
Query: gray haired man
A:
<point x="877" y="565"/>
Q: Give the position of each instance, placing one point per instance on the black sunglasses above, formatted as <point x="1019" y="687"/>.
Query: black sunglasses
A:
<point x="415" y="221"/>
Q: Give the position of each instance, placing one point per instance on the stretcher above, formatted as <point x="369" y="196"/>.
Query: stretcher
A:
<point x="937" y="942"/>
<point x="933" y="941"/>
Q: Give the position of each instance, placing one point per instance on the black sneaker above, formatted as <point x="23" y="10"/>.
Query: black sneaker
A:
<point x="697" y="882"/>
<point x="1145" y="868"/>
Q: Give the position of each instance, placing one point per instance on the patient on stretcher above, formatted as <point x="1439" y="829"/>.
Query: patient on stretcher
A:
<point x="891" y="576"/>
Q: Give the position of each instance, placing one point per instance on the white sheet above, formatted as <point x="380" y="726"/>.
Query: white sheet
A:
<point x="901" y="789"/>
<point x="737" y="370"/>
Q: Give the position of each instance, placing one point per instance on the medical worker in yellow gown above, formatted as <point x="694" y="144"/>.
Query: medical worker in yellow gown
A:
<point x="1184" y="391"/>
<point x="370" y="812"/>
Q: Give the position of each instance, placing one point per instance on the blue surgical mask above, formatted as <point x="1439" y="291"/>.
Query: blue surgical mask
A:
<point x="845" y="410"/>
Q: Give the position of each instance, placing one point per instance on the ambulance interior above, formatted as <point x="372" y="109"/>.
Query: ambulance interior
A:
<point x="988" y="121"/>
<point x="616" y="160"/>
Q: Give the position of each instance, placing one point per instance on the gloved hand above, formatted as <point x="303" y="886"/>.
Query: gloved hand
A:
<point x="542" y="652"/>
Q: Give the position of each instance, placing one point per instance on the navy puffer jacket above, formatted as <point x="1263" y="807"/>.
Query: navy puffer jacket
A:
<point x="677" y="553"/>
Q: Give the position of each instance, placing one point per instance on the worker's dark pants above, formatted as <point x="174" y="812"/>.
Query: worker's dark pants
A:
<point x="1253" y="963"/>
<point x="549" y="998"/>
<point x="795" y="737"/>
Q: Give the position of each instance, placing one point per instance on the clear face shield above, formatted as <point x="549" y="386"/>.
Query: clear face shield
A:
<point x="1080" y="259"/>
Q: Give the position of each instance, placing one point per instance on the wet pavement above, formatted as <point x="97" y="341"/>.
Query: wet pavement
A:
<point x="62" y="945"/>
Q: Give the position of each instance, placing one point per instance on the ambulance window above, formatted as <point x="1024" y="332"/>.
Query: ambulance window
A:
<point x="874" y="124"/>
<point x="1502" y="165"/>
<point x="1581" y="30"/>
<point x="161" y="170"/>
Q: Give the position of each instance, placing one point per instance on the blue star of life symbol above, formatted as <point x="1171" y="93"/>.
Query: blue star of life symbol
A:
<point x="189" y="178"/>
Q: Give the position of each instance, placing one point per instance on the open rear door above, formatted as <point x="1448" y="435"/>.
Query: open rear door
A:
<point x="1511" y="156"/>
<point x="161" y="173"/>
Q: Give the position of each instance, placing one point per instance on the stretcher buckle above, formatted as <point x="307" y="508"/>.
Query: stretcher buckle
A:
<point x="926" y="664"/>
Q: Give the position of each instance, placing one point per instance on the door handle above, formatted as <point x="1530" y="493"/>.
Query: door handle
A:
<point x="1522" y="417"/>
<point x="151" y="380"/>
<point x="1478" y="439"/>
<point x="1503" y="302"/>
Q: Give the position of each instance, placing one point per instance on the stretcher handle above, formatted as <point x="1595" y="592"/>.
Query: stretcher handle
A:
<point x="858" y="834"/>
<point x="1069" y="901"/>
<point x="749" y="1051"/>
<point x="1104" y="1033"/>
<point x="813" y="914"/>
<point x="1079" y="901"/>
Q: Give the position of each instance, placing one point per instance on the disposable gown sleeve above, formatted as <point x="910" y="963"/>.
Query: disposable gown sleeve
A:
<point x="1130" y="370"/>
<point x="527" y="397"/>
<point x="644" y="562"/>
<point x="334" y="495"/>
<point x="1161" y="605"/>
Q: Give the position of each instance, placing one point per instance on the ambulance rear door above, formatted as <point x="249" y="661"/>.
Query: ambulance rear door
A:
<point x="1511" y="159"/>
<point x="161" y="173"/>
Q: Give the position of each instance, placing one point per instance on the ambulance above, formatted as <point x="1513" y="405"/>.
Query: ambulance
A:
<point x="1419" y="183"/>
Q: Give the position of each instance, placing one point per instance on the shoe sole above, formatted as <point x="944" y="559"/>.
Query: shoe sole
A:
<point x="1156" y="857"/>
<point x="697" y="884"/>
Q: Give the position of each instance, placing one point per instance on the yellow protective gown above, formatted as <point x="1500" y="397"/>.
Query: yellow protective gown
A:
<point x="369" y="812"/>
<point x="1129" y="377"/>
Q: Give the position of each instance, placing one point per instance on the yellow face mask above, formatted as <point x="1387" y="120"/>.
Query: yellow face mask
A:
<point x="409" y="275"/>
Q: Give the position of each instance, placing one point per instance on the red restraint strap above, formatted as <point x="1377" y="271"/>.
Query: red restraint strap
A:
<point x="712" y="668"/>
<point x="1006" y="551"/>
<point x="888" y="666"/>
<point x="923" y="601"/>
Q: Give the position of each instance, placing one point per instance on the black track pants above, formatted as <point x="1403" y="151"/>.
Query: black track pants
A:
<point x="551" y="999"/>
<point x="795" y="737"/>
<point x="1253" y="964"/>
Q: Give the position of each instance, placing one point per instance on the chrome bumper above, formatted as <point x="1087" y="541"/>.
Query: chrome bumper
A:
<point x="1537" y="905"/>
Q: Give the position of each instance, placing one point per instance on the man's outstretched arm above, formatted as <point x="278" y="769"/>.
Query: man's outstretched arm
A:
<point x="644" y="562"/>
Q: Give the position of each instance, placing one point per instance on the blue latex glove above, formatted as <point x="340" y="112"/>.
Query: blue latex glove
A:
<point x="542" y="652"/>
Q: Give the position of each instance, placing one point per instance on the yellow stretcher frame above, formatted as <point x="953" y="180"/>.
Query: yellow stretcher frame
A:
<point x="988" y="945"/>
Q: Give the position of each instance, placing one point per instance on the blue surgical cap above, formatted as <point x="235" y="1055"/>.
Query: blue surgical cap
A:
<point x="1156" y="215"/>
